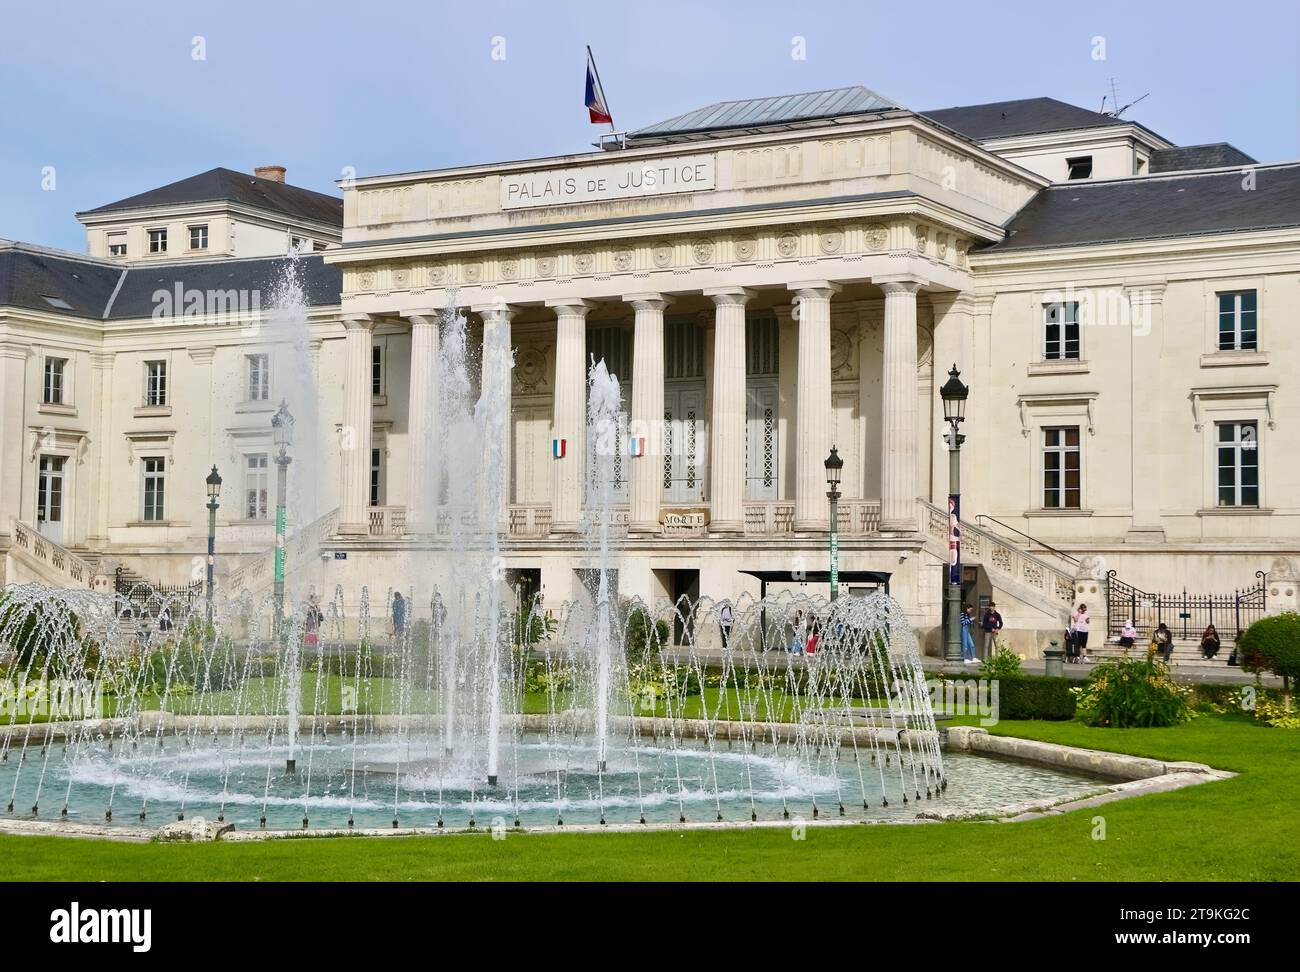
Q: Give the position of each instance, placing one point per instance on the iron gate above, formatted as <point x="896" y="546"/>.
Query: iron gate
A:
<point x="1186" y="614"/>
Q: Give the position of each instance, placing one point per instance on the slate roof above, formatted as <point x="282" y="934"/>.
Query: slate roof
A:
<point x="1025" y="116"/>
<point x="29" y="274"/>
<point x="1212" y="156"/>
<point x="227" y="185"/>
<point x="1156" y="207"/>
<point x="779" y="110"/>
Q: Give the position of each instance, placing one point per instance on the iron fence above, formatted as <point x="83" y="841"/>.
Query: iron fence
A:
<point x="1186" y="614"/>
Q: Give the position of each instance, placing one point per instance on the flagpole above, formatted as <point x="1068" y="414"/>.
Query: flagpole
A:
<point x="601" y="84"/>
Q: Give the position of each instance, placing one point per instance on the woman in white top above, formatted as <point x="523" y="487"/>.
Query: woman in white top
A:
<point x="1079" y="624"/>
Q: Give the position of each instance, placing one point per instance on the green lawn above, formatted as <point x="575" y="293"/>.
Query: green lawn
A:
<point x="1240" y="829"/>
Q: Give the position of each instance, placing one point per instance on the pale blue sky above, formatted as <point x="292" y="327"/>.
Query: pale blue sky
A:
<point x="109" y="94"/>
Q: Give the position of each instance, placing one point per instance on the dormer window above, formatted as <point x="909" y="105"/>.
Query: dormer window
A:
<point x="157" y="241"/>
<point x="1079" y="167"/>
<point x="199" y="237"/>
<point x="117" y="245"/>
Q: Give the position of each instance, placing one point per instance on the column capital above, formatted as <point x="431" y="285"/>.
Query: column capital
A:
<point x="358" y="322"/>
<point x="814" y="288"/>
<point x="647" y="301"/>
<point x="571" y="305"/>
<point x="728" y="296"/>
<point x="899" y="284"/>
<point x="421" y="315"/>
<point x="495" y="311"/>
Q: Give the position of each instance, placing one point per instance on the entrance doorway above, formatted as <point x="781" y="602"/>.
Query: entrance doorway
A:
<point x="49" y="498"/>
<point x="686" y="595"/>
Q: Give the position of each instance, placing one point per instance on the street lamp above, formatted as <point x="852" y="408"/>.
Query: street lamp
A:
<point x="282" y="432"/>
<point x="834" y="467"/>
<point x="214" y="492"/>
<point x="954" y="395"/>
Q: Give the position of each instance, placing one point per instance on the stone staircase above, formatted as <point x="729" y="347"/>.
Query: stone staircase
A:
<point x="1187" y="654"/>
<point x="1042" y="581"/>
<point x="40" y="559"/>
<point x="258" y="573"/>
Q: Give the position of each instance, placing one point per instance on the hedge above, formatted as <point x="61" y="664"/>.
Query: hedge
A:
<point x="1034" y="697"/>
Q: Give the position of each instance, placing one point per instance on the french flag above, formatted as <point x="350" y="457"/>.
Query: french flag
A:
<point x="596" y="103"/>
<point x="636" y="446"/>
<point x="559" y="447"/>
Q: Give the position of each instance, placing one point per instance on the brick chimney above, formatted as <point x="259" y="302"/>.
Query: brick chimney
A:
<point x="273" y="172"/>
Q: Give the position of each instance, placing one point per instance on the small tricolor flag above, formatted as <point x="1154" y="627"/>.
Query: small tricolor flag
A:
<point x="559" y="447"/>
<point x="636" y="446"/>
<point x="596" y="103"/>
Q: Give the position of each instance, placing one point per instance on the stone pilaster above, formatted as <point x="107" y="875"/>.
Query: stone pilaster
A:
<point x="422" y="489"/>
<point x="13" y="373"/>
<point x="953" y="324"/>
<point x="569" y="417"/>
<point x="727" y="461"/>
<point x="898" y="466"/>
<point x="813" y="411"/>
<point x="354" y="441"/>
<point x="1146" y="336"/>
<point x="647" y="410"/>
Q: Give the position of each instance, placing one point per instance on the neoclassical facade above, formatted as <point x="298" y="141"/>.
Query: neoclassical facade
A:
<point x="767" y="279"/>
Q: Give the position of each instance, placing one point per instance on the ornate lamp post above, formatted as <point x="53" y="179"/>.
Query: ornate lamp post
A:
<point x="834" y="467"/>
<point x="214" y="492"/>
<point x="954" y="395"/>
<point x="282" y="430"/>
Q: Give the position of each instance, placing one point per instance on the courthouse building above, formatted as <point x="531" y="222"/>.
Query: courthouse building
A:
<point x="768" y="279"/>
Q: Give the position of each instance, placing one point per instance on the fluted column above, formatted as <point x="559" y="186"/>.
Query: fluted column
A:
<point x="953" y="344"/>
<point x="422" y="418"/>
<point x="813" y="408"/>
<point x="569" y="415"/>
<point x="354" y="442"/>
<point x="727" y="436"/>
<point x="498" y="360"/>
<point x="898" y="463"/>
<point x="647" y="410"/>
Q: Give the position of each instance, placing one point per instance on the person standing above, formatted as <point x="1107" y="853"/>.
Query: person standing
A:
<point x="399" y="614"/>
<point x="967" y="640"/>
<point x="311" y="623"/>
<point x="991" y="625"/>
<point x="1080" y="622"/>
<point x="726" y="618"/>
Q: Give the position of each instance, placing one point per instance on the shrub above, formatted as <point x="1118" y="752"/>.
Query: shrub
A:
<point x="1130" y="692"/>
<point x="1272" y="644"/>
<point x="643" y="637"/>
<point x="1002" y="663"/>
<point x="1277" y="711"/>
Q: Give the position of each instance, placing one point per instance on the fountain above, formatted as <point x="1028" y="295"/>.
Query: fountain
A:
<point x="576" y="713"/>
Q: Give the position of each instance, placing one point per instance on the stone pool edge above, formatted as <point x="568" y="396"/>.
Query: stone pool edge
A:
<point x="1139" y="775"/>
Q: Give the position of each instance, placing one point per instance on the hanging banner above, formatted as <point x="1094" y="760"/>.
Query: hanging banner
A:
<point x="954" y="539"/>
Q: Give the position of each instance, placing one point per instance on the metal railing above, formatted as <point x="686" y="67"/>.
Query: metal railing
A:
<point x="1033" y="541"/>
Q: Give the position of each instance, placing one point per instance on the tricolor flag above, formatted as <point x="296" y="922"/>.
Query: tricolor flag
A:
<point x="559" y="447"/>
<point x="596" y="103"/>
<point x="636" y="446"/>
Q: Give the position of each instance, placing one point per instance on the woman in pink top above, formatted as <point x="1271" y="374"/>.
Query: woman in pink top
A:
<point x="1079" y="623"/>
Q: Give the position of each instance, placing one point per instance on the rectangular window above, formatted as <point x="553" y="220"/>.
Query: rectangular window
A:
<point x="259" y="377"/>
<point x="199" y="237"/>
<point x="155" y="481"/>
<point x="318" y="245"/>
<point x="1080" y="167"/>
<point x="256" y="487"/>
<point x="376" y="477"/>
<point x="155" y="382"/>
<point x="54" y="370"/>
<point x="1061" y="331"/>
<point x="297" y="244"/>
<point x="1237" y="321"/>
<point x="158" y="241"/>
<point x="377" y="370"/>
<point x="1238" y="456"/>
<point x="1061" y="484"/>
<point x="117" y="245"/>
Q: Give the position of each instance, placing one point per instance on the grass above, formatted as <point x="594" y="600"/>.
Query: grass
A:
<point x="1241" y="829"/>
